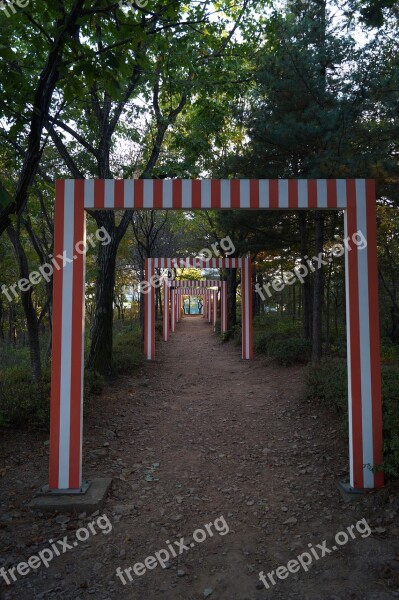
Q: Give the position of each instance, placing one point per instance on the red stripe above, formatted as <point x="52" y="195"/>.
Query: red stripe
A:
<point x="354" y="333"/>
<point x="119" y="193"/>
<point x="157" y="193"/>
<point x="254" y="193"/>
<point x="312" y="193"/>
<point x="76" y="341"/>
<point x="99" y="193"/>
<point x="56" y="338"/>
<point x="375" y="365"/>
<point x="196" y="193"/>
<point x="215" y="193"/>
<point x="273" y="193"/>
<point x="293" y="193"/>
<point x="177" y="193"/>
<point x="235" y="193"/>
<point x="332" y="193"/>
<point x="138" y="193"/>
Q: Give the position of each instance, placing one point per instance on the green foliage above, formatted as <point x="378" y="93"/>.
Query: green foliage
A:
<point x="389" y="353"/>
<point x="159" y="329"/>
<point x="327" y="382"/>
<point x="236" y="334"/>
<point x="390" y="406"/>
<point x="285" y="350"/>
<point x="128" y="351"/>
<point x="93" y="383"/>
<point x="218" y="329"/>
<point x="279" y="338"/>
<point x="22" y="401"/>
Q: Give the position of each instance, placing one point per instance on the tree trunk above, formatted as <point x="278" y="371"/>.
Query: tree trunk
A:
<point x="100" y="355"/>
<point x="27" y="304"/>
<point x="317" y="333"/>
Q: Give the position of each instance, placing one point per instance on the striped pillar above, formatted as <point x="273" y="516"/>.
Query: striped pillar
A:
<point x="363" y="343"/>
<point x="173" y="309"/>
<point x="246" y="309"/>
<point x="215" y="307"/>
<point x="177" y="309"/>
<point x="356" y="197"/>
<point x="223" y="310"/>
<point x="149" y="310"/>
<point x="166" y="294"/>
<point x="66" y="407"/>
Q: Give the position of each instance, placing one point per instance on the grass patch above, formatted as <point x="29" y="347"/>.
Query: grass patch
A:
<point x="327" y="382"/>
<point x="279" y="339"/>
<point x="128" y="350"/>
<point x="22" y="401"/>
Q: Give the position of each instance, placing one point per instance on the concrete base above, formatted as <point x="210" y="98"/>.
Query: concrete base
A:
<point x="70" y="502"/>
<point x="349" y="494"/>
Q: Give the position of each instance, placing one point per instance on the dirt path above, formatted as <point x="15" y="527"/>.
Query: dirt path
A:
<point x="204" y="438"/>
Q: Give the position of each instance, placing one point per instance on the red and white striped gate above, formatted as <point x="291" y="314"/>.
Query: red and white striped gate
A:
<point x="152" y="264"/>
<point x="356" y="197"/>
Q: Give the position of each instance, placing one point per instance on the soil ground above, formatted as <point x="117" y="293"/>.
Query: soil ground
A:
<point x="202" y="437"/>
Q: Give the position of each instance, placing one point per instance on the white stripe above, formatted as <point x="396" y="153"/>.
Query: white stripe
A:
<point x="303" y="200"/>
<point x="66" y="337"/>
<point x="365" y="358"/>
<point x="321" y="193"/>
<point x="128" y="193"/>
<point x="89" y="193"/>
<point x="148" y="201"/>
<point x="109" y="193"/>
<point x="263" y="193"/>
<point x="225" y="197"/>
<point x="244" y="193"/>
<point x="205" y="193"/>
<point x="342" y="201"/>
<point x="187" y="201"/>
<point x="283" y="193"/>
<point x="167" y="197"/>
